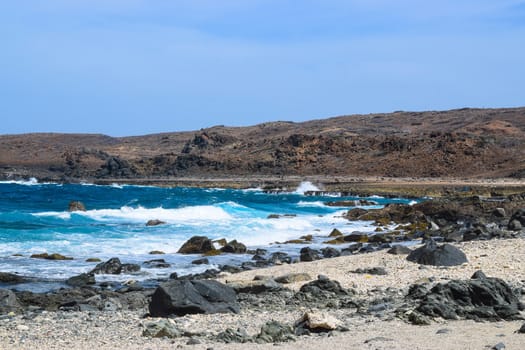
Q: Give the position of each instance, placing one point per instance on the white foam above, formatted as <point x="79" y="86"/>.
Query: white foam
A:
<point x="412" y="203"/>
<point x="306" y="186"/>
<point x="316" y="204"/>
<point x="30" y="182"/>
<point x="140" y="214"/>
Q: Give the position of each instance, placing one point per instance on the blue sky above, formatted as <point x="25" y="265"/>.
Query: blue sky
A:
<point x="131" y="67"/>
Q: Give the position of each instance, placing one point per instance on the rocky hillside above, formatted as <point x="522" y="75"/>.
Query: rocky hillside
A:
<point x="472" y="143"/>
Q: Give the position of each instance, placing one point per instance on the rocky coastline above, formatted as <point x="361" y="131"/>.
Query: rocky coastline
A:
<point x="468" y="265"/>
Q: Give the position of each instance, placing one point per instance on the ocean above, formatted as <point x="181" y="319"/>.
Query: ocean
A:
<point x="34" y="218"/>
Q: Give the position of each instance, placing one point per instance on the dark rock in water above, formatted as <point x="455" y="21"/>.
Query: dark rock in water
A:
<point x="234" y="247"/>
<point x="335" y="233"/>
<point x="201" y="261"/>
<point x="432" y="254"/>
<point x="280" y="257"/>
<point x="355" y="213"/>
<point x="156" y="264"/>
<point x="82" y="280"/>
<point x="257" y="257"/>
<point x="8" y="302"/>
<point x="76" y="206"/>
<point x="54" y="256"/>
<point x="155" y="222"/>
<point x="93" y="260"/>
<point x="156" y="252"/>
<point x="196" y="245"/>
<point x="174" y="276"/>
<point x="399" y="250"/>
<point x="6" y="277"/>
<point x="372" y="271"/>
<point x="330" y="252"/>
<point x="356" y="237"/>
<point x="478" y="298"/>
<point x="274" y="332"/>
<point x="182" y="297"/>
<point x="308" y="254"/>
<point x="111" y="267"/>
<point x="130" y="268"/>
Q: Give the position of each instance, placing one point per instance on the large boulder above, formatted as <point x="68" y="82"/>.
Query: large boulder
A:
<point x="437" y="255"/>
<point x="308" y="254"/>
<point x="197" y="245"/>
<point x="181" y="297"/>
<point x="478" y="298"/>
<point x="8" y="302"/>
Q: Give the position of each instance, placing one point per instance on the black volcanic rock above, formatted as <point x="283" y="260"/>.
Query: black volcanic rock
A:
<point x="478" y="298"/>
<point x="437" y="255"/>
<point x="181" y="297"/>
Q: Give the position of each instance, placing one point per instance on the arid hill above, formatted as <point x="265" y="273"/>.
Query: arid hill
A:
<point x="474" y="143"/>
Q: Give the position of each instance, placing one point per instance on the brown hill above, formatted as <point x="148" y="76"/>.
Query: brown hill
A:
<point x="474" y="143"/>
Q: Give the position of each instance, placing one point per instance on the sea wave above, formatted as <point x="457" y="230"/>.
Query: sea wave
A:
<point x="306" y="186"/>
<point x="33" y="181"/>
<point x="316" y="204"/>
<point x="141" y="214"/>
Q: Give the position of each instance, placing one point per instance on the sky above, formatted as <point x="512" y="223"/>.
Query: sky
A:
<point x="133" y="67"/>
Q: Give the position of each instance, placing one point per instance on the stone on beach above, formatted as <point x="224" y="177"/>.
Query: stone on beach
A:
<point x="480" y="297"/>
<point x="317" y="322"/>
<point x="114" y="267"/>
<point x="437" y="255"/>
<point x="181" y="297"/>
<point x="8" y="302"/>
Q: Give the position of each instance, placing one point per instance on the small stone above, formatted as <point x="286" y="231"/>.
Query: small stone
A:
<point x="499" y="346"/>
<point x="22" y="327"/>
<point x="193" y="341"/>
<point x="522" y="329"/>
<point x="443" y="331"/>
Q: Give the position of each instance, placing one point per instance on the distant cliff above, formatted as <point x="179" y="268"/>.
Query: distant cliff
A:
<point x="472" y="143"/>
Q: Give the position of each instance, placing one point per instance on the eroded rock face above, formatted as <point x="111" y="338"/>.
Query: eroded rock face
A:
<point x="478" y="298"/>
<point x="437" y="255"/>
<point x="181" y="297"/>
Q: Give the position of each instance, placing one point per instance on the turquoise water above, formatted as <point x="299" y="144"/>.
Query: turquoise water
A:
<point x="34" y="219"/>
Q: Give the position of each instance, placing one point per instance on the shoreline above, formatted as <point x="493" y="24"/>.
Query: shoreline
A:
<point x="123" y="329"/>
<point x="351" y="185"/>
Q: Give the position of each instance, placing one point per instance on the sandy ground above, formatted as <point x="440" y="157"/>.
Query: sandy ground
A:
<point x="122" y="330"/>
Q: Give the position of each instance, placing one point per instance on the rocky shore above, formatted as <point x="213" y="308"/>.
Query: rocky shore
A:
<point x="462" y="286"/>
